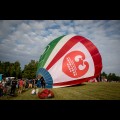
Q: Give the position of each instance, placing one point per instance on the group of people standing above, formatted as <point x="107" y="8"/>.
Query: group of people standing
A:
<point x="11" y="88"/>
<point x="7" y="87"/>
<point x="20" y="84"/>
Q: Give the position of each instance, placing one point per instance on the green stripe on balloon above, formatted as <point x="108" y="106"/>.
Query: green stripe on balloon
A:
<point x="47" y="52"/>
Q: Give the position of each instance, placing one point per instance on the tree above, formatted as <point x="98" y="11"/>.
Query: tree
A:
<point x="104" y="74"/>
<point x="10" y="69"/>
<point x="17" y="69"/>
<point x="113" y="77"/>
<point x="30" y="70"/>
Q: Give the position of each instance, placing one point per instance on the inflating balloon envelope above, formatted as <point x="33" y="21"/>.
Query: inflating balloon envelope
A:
<point x="69" y="60"/>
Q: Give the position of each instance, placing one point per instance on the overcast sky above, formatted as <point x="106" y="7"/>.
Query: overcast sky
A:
<point x="25" y="40"/>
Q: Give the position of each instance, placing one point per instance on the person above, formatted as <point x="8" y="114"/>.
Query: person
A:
<point x="24" y="84"/>
<point x="27" y="83"/>
<point x="20" y="86"/>
<point x="36" y="82"/>
<point x="13" y="87"/>
<point x="30" y="83"/>
<point x="40" y="77"/>
<point x="1" y="89"/>
<point x="4" y="82"/>
<point x="42" y="82"/>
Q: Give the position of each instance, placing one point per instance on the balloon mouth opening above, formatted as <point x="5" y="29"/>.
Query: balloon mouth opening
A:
<point x="47" y="77"/>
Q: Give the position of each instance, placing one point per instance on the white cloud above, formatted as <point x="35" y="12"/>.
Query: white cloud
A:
<point x="24" y="40"/>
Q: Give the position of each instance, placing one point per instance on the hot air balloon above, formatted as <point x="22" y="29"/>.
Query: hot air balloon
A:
<point x="69" y="60"/>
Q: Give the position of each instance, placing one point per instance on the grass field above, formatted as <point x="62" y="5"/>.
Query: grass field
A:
<point x="85" y="91"/>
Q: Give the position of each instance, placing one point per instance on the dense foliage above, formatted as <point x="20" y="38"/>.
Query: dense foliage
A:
<point x="111" y="77"/>
<point x="14" y="70"/>
<point x="10" y="69"/>
<point x="30" y="70"/>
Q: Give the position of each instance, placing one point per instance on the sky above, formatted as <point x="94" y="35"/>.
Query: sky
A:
<point x="25" y="40"/>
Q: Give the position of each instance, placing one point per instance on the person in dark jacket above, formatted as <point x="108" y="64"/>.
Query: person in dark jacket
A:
<point x="42" y="82"/>
<point x="41" y="79"/>
<point x="13" y="87"/>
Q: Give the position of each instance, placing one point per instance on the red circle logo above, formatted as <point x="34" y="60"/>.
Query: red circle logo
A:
<point x="74" y="64"/>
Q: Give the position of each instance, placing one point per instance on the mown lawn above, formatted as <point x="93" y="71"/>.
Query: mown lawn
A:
<point x="85" y="91"/>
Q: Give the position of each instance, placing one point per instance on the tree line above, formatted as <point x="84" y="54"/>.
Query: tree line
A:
<point x="111" y="77"/>
<point x="9" y="69"/>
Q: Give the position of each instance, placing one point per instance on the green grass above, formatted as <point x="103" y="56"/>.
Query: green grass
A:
<point x="85" y="91"/>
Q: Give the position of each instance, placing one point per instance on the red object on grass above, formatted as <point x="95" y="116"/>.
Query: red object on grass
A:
<point x="46" y="93"/>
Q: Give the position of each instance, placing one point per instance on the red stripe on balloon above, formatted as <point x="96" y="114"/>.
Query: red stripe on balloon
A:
<point x="72" y="82"/>
<point x="71" y="42"/>
<point x="90" y="47"/>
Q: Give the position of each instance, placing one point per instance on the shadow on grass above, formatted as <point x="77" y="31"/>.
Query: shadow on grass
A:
<point x="9" y="96"/>
<point x="13" y="95"/>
